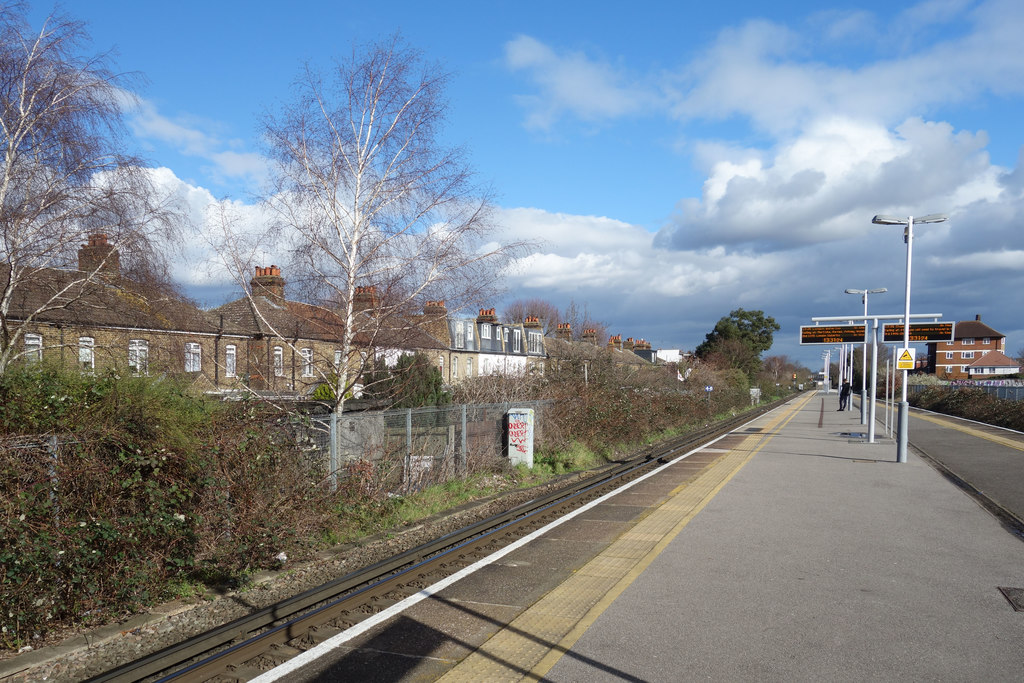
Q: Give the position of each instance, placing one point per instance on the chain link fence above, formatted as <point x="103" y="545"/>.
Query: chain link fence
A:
<point x="417" y="446"/>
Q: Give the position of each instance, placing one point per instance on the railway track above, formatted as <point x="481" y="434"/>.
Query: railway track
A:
<point x="246" y="647"/>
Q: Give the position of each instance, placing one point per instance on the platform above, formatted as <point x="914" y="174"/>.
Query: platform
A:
<point x="809" y="554"/>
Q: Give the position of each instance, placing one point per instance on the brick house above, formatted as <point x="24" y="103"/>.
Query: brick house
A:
<point x="973" y="343"/>
<point x="110" y="321"/>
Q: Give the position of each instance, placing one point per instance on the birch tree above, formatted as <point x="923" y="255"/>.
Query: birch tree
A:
<point x="370" y="197"/>
<point x="64" y="174"/>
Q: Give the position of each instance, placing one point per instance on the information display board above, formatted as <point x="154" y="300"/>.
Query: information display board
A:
<point x="919" y="332"/>
<point x="831" y="334"/>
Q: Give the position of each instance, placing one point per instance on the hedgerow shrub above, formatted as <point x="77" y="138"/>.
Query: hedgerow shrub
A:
<point x="110" y="487"/>
<point x="973" y="404"/>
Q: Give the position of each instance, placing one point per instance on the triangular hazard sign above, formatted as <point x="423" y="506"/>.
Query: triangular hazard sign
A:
<point x="905" y="356"/>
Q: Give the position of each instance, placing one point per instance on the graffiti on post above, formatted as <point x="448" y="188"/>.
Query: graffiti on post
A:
<point x="520" y="436"/>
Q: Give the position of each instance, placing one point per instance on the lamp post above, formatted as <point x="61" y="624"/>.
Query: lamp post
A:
<point x="864" y="357"/>
<point x="908" y="237"/>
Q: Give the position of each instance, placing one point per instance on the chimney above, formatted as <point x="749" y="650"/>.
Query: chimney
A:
<point x="564" y="331"/>
<point x="435" y="321"/>
<point x="487" y="315"/>
<point x="99" y="255"/>
<point x="268" y="283"/>
<point x="590" y="335"/>
<point x="978" y="317"/>
<point x="615" y="342"/>
<point x="365" y="299"/>
<point x="628" y="345"/>
<point x="531" y="322"/>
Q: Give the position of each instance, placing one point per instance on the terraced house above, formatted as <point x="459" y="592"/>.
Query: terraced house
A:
<point x="976" y="352"/>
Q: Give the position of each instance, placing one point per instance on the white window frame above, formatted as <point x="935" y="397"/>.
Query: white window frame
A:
<point x="87" y="353"/>
<point x="469" y="332"/>
<point x="455" y="367"/>
<point x="230" y="360"/>
<point x="337" y="359"/>
<point x="967" y="355"/>
<point x="517" y="341"/>
<point x="33" y="347"/>
<point x="138" y="356"/>
<point x="278" y="361"/>
<point x="460" y="336"/>
<point x="986" y="340"/>
<point x="485" y="330"/>
<point x="307" y="362"/>
<point x="469" y="367"/>
<point x="969" y="341"/>
<point x="533" y="341"/>
<point x="193" y="357"/>
<point x="949" y="355"/>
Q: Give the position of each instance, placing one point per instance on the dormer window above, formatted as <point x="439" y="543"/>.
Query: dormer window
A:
<point x="485" y="331"/>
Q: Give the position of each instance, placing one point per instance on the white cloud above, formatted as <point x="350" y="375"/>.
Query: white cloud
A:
<point x="570" y="82"/>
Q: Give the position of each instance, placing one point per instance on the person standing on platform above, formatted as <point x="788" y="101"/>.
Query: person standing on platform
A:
<point x="844" y="395"/>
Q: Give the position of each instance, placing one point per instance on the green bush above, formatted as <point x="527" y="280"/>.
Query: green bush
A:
<point x="973" y="404"/>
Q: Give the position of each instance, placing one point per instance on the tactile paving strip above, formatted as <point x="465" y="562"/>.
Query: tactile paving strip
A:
<point x="538" y="637"/>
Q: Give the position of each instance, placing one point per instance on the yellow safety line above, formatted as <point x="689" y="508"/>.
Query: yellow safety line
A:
<point x="952" y="424"/>
<point x="556" y="621"/>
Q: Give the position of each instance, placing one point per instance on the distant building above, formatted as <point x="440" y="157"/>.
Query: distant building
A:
<point x="977" y="350"/>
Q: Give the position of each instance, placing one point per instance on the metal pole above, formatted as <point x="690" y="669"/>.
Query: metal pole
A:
<point x="874" y="382"/>
<point x="864" y="369"/>
<point x="849" y="378"/>
<point x="904" y="412"/>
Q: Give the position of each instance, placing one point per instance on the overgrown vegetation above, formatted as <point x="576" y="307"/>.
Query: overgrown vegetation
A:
<point x="971" y="403"/>
<point x="114" y="488"/>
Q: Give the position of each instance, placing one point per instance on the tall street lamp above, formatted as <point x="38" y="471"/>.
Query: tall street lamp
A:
<point x="864" y="357"/>
<point x="908" y="237"/>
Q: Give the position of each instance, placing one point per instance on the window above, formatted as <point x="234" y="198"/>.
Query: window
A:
<point x="337" y="358"/>
<point x="986" y="341"/>
<point x="963" y="369"/>
<point x="307" y="362"/>
<point x="966" y="355"/>
<point x="517" y="340"/>
<point x="440" y="366"/>
<point x="469" y="332"/>
<point x="86" y="353"/>
<point x="460" y="336"/>
<point x="138" y="356"/>
<point x="949" y="355"/>
<point x="230" y="360"/>
<point x="278" y="361"/>
<point x="455" y="367"/>
<point x="33" y="348"/>
<point x="193" y="357"/>
<point x="485" y="331"/>
<point x="968" y="341"/>
<point x="469" y="367"/>
<point x="533" y="340"/>
<point x="506" y="335"/>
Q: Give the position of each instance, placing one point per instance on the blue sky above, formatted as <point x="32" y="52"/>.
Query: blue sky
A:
<point x="676" y="160"/>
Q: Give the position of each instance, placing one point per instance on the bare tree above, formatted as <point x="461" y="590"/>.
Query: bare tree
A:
<point x="64" y="175"/>
<point x="370" y="198"/>
<point x="518" y="310"/>
<point x="580" y="319"/>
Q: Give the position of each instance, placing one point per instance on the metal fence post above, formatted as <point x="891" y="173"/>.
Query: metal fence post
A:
<point x="333" y="447"/>
<point x="462" y="460"/>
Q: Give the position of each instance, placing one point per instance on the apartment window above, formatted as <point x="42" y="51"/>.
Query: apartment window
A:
<point x="485" y="331"/>
<point x="469" y="367"/>
<point x="986" y="341"/>
<point x="138" y="356"/>
<point x="455" y="367"/>
<point x="517" y="340"/>
<point x="230" y="360"/>
<point x="307" y="362"/>
<point x="460" y="336"/>
<point x="534" y="341"/>
<point x="86" y="353"/>
<point x="469" y="332"/>
<point x="33" y="348"/>
<point x="968" y="341"/>
<point x="337" y="358"/>
<point x="193" y="357"/>
<point x="949" y="355"/>
<point x="278" y="361"/>
<point x="963" y="369"/>
<point x="966" y="355"/>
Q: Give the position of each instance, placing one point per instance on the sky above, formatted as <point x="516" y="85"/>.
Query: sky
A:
<point x="673" y="161"/>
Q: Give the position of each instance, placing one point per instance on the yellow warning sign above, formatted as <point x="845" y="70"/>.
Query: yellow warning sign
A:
<point x="905" y="359"/>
